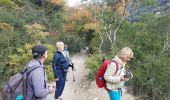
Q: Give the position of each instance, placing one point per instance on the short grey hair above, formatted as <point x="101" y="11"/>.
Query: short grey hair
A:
<point x="123" y="52"/>
<point x="58" y="44"/>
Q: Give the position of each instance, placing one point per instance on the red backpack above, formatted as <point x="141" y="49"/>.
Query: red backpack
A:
<point x="100" y="81"/>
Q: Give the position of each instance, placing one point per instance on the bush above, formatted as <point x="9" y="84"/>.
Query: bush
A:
<point x="94" y="61"/>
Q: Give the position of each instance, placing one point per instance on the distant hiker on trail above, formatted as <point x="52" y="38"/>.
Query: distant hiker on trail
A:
<point x="115" y="77"/>
<point x="66" y="52"/>
<point x="37" y="87"/>
<point x="60" y="67"/>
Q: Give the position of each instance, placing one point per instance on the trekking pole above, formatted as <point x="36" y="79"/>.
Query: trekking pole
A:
<point x="73" y="77"/>
<point x="74" y="84"/>
<point x="73" y="69"/>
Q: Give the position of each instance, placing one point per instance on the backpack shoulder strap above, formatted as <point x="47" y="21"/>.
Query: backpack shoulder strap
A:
<point x="117" y="66"/>
<point x="26" y="72"/>
<point x="33" y="68"/>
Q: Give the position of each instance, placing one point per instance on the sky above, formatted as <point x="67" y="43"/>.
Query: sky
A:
<point x="72" y="2"/>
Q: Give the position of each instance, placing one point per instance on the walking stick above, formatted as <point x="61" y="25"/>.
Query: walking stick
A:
<point x="73" y="69"/>
<point x="74" y="84"/>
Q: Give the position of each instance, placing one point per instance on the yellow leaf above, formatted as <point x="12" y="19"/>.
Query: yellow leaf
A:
<point x="6" y="26"/>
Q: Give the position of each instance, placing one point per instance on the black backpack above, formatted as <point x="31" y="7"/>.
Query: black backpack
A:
<point x="16" y="87"/>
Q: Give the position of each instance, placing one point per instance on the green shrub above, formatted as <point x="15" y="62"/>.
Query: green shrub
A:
<point x="94" y="61"/>
<point x="6" y="2"/>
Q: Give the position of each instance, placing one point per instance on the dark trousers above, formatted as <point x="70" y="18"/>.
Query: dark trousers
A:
<point x="60" y="84"/>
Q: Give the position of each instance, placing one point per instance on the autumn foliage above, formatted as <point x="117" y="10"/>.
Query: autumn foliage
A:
<point x="56" y="1"/>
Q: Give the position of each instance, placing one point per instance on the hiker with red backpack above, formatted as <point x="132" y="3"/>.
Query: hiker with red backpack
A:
<point x="112" y="74"/>
<point x="115" y="76"/>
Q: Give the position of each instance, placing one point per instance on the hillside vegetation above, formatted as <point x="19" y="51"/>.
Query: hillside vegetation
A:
<point x="105" y="26"/>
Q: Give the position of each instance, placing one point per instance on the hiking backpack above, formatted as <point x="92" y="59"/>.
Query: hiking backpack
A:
<point x="100" y="81"/>
<point x="16" y="87"/>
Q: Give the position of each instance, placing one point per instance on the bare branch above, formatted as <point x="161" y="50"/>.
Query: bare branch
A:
<point x="164" y="48"/>
<point x="101" y="40"/>
<point x="108" y="36"/>
<point x="115" y="32"/>
<point x="166" y="45"/>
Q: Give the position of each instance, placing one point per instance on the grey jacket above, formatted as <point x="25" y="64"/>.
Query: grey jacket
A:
<point x="37" y="88"/>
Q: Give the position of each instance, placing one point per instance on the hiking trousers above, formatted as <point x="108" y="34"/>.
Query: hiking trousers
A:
<point x="60" y="84"/>
<point x="114" y="94"/>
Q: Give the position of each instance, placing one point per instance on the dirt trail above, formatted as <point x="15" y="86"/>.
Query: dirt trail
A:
<point x="82" y="88"/>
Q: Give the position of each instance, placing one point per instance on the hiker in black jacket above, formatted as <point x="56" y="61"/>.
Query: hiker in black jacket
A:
<point x="60" y="66"/>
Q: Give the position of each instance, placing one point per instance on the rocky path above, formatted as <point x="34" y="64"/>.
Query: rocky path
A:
<point x="82" y="88"/>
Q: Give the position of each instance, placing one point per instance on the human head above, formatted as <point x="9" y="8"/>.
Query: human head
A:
<point x="60" y="46"/>
<point x="125" y="54"/>
<point x="39" y="51"/>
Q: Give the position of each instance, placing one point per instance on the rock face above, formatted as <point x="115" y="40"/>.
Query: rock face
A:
<point x="162" y="7"/>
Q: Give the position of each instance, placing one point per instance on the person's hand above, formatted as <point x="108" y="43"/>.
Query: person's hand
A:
<point x="124" y="79"/>
<point x="72" y="66"/>
<point x="51" y="88"/>
<point x="57" y="79"/>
